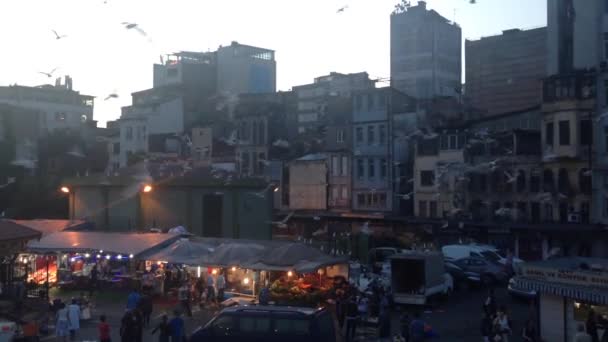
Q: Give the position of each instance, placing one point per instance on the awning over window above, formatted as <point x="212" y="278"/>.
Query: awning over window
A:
<point x="580" y="293"/>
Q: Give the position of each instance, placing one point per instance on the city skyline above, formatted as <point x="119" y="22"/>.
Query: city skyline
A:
<point x="103" y="57"/>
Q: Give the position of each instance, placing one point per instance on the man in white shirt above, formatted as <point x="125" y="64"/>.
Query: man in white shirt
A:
<point x="74" y="319"/>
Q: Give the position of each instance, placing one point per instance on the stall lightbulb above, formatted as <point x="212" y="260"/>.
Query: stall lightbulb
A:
<point x="289" y="273"/>
<point x="130" y="256"/>
<point x="233" y="268"/>
<point x="87" y="255"/>
<point x="64" y="256"/>
<point x="147" y="188"/>
<point x="101" y="251"/>
<point x="98" y="256"/>
<point x="24" y="260"/>
<point x="577" y="305"/>
<point x="159" y="263"/>
<point x="72" y="259"/>
<point x="214" y="271"/>
<point x="108" y="256"/>
<point x="65" y="189"/>
<point x="119" y="257"/>
<point x="198" y="271"/>
<point x="246" y="281"/>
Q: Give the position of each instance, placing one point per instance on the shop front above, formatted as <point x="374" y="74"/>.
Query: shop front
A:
<point x="569" y="291"/>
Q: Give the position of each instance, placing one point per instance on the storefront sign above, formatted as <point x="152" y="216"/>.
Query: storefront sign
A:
<point x="586" y="278"/>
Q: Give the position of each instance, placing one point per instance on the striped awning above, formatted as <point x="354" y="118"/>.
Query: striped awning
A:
<point x="586" y="294"/>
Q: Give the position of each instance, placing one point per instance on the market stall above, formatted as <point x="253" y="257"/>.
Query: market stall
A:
<point x="67" y="258"/>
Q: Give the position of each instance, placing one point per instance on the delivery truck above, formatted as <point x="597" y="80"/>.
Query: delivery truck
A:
<point x="418" y="275"/>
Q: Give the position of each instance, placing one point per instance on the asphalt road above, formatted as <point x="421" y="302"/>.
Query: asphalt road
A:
<point x="456" y="319"/>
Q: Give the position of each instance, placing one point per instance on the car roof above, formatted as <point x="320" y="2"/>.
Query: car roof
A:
<point x="272" y="309"/>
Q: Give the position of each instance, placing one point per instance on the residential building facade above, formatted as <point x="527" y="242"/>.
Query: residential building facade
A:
<point x="425" y="53"/>
<point x="504" y="72"/>
<point x="308" y="183"/>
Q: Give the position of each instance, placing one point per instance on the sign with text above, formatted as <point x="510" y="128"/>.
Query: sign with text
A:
<point x="570" y="277"/>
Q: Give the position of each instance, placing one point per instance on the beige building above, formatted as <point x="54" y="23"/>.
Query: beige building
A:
<point x="308" y="183"/>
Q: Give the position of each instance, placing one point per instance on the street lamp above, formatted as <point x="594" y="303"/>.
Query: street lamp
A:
<point x="65" y="189"/>
<point x="147" y="188"/>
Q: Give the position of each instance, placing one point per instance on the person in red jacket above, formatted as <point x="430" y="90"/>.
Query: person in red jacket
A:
<point x="104" y="330"/>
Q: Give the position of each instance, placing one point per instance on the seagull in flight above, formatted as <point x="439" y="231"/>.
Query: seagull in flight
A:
<point x="48" y="74"/>
<point x="111" y="96"/>
<point x="59" y="36"/>
<point x="282" y="223"/>
<point x="134" y="26"/>
<point x="342" y="9"/>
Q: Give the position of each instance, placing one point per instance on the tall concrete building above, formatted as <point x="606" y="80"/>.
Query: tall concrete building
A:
<point x="425" y="53"/>
<point x="504" y="72"/>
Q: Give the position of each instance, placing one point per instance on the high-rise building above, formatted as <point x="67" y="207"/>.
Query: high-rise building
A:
<point x="425" y="53"/>
<point x="504" y="72"/>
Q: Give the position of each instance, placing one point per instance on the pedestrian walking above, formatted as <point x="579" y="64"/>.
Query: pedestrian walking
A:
<point x="74" y="319"/>
<point x="133" y="299"/>
<point x="138" y="323"/>
<point x="591" y="325"/>
<point x="147" y="307"/>
<point x="529" y="333"/>
<point x="184" y="298"/>
<point x="164" y="330"/>
<point x="104" y="330"/>
<point x="502" y="324"/>
<point x="581" y="335"/>
<point x="264" y="296"/>
<point x="127" y="327"/>
<point x="210" y="288"/>
<point x="220" y="284"/>
<point x="417" y="332"/>
<point x="404" y="322"/>
<point x="62" y="322"/>
<point x="489" y="305"/>
<point x="177" y="328"/>
<point x="384" y="316"/>
<point x="486" y="327"/>
<point x="352" y="318"/>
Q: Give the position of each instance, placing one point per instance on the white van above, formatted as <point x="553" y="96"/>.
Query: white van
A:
<point x="487" y="252"/>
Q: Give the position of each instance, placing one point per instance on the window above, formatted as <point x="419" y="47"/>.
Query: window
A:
<point x="334" y="192"/>
<point x="370" y="135"/>
<point x="116" y="148"/>
<point x="382" y="134"/>
<point x="483" y="183"/>
<point x="223" y="325"/>
<point x="245" y="163"/>
<point x="286" y="326"/>
<point x="383" y="167"/>
<point x="340" y="136"/>
<point x="427" y="178"/>
<point x="344" y="166"/>
<point x="584" y="181"/>
<point x="381" y="200"/>
<point x="548" y="181"/>
<point x="371" y="168"/>
<point x="535" y="212"/>
<point x="606" y="46"/>
<point x="256" y="324"/>
<point x="358" y="102"/>
<point x="563" y="182"/>
<point x="605" y="92"/>
<point x="254" y="130"/>
<point x="359" y="134"/>
<point x="370" y="101"/>
<point x="59" y="116"/>
<point x="549" y="133"/>
<point x="586" y="133"/>
<point x="453" y="142"/>
<point x="129" y="133"/>
<point x="344" y="192"/>
<point x="606" y="139"/>
<point x="564" y="132"/>
<point x="521" y="181"/>
<point x="535" y="181"/>
<point x="262" y="133"/>
<point x="360" y="169"/>
<point x="335" y="168"/>
<point x="422" y="208"/>
<point x="548" y="212"/>
<point x="433" y="209"/>
<point x="360" y="200"/>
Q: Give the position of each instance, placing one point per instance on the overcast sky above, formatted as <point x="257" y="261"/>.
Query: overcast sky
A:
<point x="309" y="38"/>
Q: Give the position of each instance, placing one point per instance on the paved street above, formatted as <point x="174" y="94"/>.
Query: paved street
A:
<point x="455" y="320"/>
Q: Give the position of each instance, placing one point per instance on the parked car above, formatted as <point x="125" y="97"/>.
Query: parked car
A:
<point x="258" y="323"/>
<point x="489" y="272"/>
<point x="461" y="278"/>
<point x="519" y="292"/>
<point x="488" y="252"/>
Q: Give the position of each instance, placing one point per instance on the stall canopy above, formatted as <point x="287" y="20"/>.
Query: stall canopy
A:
<point x="296" y="256"/>
<point x="183" y="251"/>
<point x="235" y="254"/>
<point x="14" y="236"/>
<point x="117" y="243"/>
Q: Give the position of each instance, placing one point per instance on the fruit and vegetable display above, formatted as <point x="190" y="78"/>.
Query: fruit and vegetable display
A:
<point x="308" y="290"/>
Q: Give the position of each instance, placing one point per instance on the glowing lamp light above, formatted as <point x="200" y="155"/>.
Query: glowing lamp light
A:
<point x="214" y="271"/>
<point x="130" y="256"/>
<point x="98" y="256"/>
<point x="87" y="255"/>
<point x="198" y="271"/>
<point x="24" y="260"/>
<point x="65" y="189"/>
<point x="289" y="273"/>
<point x="119" y="257"/>
<point x="72" y="259"/>
<point x="159" y="263"/>
<point x="147" y="188"/>
<point x="246" y="281"/>
<point x="108" y="256"/>
<point x="276" y="189"/>
<point x="101" y="251"/>
<point x="233" y="268"/>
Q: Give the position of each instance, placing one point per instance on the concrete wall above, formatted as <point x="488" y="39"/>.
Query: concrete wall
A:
<point x="308" y="185"/>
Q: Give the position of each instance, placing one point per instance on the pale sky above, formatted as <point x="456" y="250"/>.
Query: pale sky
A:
<point x="309" y="38"/>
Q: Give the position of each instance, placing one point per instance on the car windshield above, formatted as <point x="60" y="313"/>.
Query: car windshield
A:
<point x="492" y="256"/>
